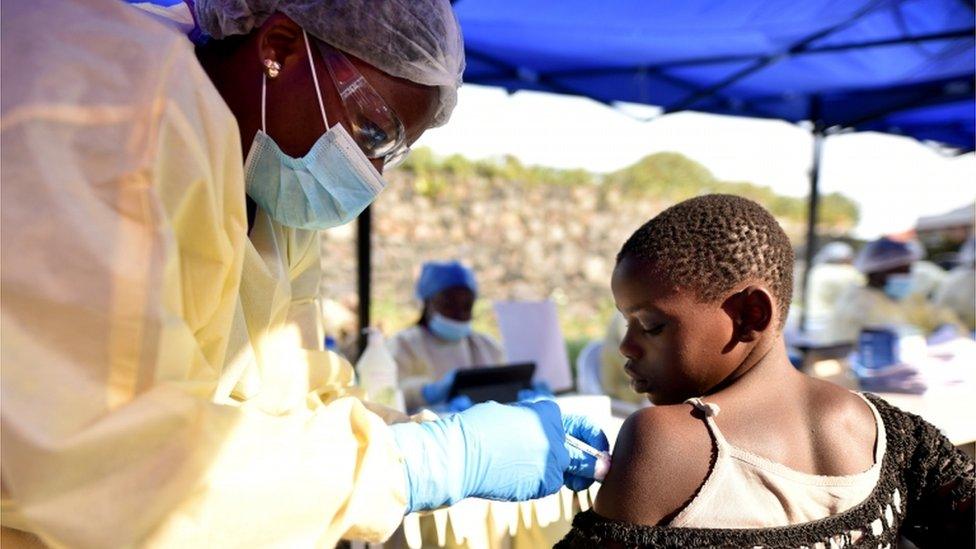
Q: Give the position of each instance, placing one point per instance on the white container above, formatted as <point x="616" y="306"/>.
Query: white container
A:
<point x="377" y="372"/>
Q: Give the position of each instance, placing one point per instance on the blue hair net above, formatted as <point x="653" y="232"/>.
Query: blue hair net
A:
<point x="436" y="276"/>
<point x="884" y="254"/>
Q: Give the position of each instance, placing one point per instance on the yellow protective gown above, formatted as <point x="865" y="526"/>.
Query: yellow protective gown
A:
<point x="958" y="293"/>
<point x="161" y="383"/>
<point x="865" y="307"/>
<point x="829" y="283"/>
<point x="422" y="357"/>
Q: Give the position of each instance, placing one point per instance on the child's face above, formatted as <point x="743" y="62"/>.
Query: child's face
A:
<point x="676" y="346"/>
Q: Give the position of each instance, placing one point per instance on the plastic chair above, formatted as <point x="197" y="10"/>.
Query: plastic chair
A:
<point x="588" y="369"/>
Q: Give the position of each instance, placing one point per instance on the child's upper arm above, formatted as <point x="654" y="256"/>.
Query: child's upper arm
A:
<point x="661" y="457"/>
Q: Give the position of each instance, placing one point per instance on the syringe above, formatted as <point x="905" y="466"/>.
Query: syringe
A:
<point x="602" y="458"/>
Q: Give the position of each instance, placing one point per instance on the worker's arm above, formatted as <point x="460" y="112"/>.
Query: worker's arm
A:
<point x="124" y="230"/>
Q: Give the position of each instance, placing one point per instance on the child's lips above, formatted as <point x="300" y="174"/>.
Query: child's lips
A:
<point x="637" y="383"/>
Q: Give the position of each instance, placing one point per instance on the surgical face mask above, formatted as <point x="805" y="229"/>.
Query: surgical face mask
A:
<point x="327" y="187"/>
<point x="448" y="329"/>
<point x="897" y="286"/>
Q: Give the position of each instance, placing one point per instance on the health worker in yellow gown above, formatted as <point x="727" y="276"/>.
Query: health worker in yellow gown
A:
<point x="886" y="298"/>
<point x="958" y="291"/>
<point x="163" y="382"/>
<point x="429" y="353"/>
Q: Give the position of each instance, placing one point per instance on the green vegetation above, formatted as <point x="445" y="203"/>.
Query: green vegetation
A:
<point x="838" y="211"/>
<point x="674" y="177"/>
<point x="431" y="175"/>
<point x="665" y="176"/>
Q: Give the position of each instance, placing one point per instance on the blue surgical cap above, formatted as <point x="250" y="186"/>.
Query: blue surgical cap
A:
<point x="885" y="254"/>
<point x="436" y="276"/>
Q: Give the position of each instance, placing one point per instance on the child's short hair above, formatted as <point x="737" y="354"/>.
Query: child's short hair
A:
<point x="711" y="243"/>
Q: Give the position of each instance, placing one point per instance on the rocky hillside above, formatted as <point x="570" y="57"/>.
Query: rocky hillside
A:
<point x="529" y="232"/>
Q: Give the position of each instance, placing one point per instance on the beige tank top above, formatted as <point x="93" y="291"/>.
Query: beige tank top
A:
<point x="744" y="490"/>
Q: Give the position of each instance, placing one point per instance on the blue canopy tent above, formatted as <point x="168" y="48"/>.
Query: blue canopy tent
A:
<point x="897" y="66"/>
<point x="840" y="63"/>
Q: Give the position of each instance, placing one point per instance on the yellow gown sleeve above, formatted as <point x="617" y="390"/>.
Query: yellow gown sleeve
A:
<point x="958" y="293"/>
<point x="928" y="316"/>
<point x="413" y="370"/>
<point x="124" y="230"/>
<point x="488" y="350"/>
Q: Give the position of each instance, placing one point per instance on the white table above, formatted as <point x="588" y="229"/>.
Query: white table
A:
<point x="951" y="408"/>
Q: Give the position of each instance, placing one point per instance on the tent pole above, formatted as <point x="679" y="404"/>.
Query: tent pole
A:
<point x="812" y="215"/>
<point x="363" y="270"/>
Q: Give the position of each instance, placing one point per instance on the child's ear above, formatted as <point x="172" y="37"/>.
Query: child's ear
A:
<point x="751" y="311"/>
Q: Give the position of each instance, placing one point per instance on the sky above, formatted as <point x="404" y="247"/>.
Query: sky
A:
<point x="894" y="179"/>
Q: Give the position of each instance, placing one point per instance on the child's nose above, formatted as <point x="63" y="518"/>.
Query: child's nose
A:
<point x="629" y="349"/>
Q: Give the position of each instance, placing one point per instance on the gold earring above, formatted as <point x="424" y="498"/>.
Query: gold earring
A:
<point x="272" y="67"/>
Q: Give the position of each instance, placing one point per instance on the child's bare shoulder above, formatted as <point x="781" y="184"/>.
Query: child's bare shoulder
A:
<point x="834" y="405"/>
<point x="845" y="426"/>
<point x="661" y="457"/>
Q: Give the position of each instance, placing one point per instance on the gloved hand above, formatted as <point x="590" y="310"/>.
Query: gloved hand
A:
<point x="582" y="466"/>
<point x="457" y="404"/>
<point x="436" y="392"/>
<point x="539" y="390"/>
<point x="493" y="451"/>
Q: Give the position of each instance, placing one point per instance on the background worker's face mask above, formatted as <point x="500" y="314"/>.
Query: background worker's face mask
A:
<point x="448" y="329"/>
<point x="897" y="286"/>
<point x="329" y="186"/>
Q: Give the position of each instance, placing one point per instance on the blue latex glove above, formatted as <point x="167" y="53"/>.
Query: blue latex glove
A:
<point x="539" y="390"/>
<point x="459" y="403"/>
<point x="436" y="392"/>
<point x="579" y="474"/>
<point x="582" y="466"/>
<point x="492" y="451"/>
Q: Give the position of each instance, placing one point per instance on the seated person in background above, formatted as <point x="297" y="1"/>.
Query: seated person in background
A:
<point x="831" y="276"/>
<point x="958" y="290"/>
<point x="428" y="353"/>
<point x="613" y="379"/>
<point x="743" y="450"/>
<point x="888" y="297"/>
<point x="925" y="278"/>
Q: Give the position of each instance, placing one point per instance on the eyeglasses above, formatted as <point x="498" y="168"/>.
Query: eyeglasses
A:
<point x="375" y="127"/>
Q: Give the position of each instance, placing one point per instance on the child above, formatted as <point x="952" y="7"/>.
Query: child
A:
<point x="742" y="450"/>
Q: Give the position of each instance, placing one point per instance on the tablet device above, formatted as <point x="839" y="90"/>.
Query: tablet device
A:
<point x="500" y="383"/>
